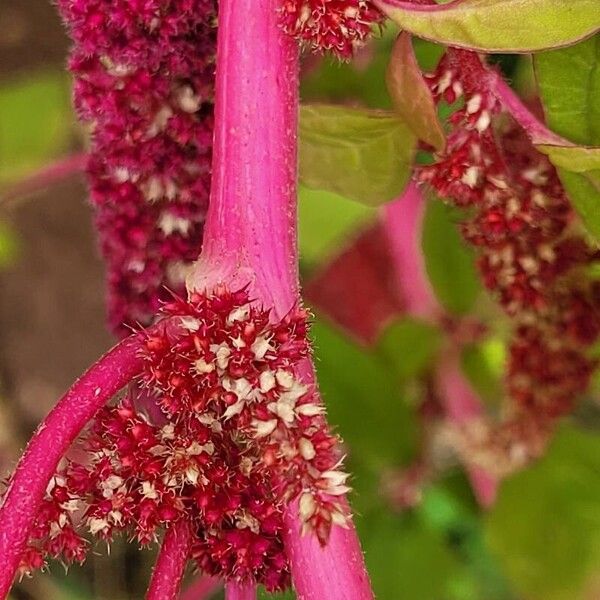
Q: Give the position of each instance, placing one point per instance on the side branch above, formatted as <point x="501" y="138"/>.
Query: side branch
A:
<point x="51" y="441"/>
<point x="170" y="565"/>
<point x="236" y="591"/>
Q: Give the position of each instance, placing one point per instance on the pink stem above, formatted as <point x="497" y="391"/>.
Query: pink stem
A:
<point x="50" y="442"/>
<point x="535" y="129"/>
<point x="201" y="588"/>
<point x="462" y="405"/>
<point x="250" y="233"/>
<point x="171" y="562"/>
<point x="336" y="572"/>
<point x="403" y="224"/>
<point x="235" y="591"/>
<point x="403" y="220"/>
<point x="45" y="177"/>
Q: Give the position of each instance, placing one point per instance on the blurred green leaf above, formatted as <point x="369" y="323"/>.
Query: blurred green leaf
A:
<point x="35" y="119"/>
<point x="407" y="560"/>
<point x="498" y="25"/>
<point x="585" y="196"/>
<point x="449" y="262"/>
<point x="569" y="84"/>
<point x="360" y="154"/>
<point x="545" y="527"/>
<point x="363" y="400"/>
<point x="409" y="347"/>
<point x="326" y="220"/>
<point x="9" y="246"/>
<point x="483" y="364"/>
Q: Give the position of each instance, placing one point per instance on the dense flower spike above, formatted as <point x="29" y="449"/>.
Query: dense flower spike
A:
<point x="237" y="438"/>
<point x="144" y="83"/>
<point x="337" y="26"/>
<point x="532" y="255"/>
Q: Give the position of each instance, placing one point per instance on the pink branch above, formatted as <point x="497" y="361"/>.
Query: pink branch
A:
<point x="50" y="442"/>
<point x="201" y="588"/>
<point x="336" y="572"/>
<point x="461" y="405"/>
<point x="536" y="130"/>
<point x="236" y="591"/>
<point x="403" y="223"/>
<point x="250" y="233"/>
<point x="45" y="177"/>
<point x="171" y="562"/>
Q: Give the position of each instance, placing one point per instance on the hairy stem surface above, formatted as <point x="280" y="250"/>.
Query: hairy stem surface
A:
<point x="171" y="562"/>
<point x="50" y="442"/>
<point x="250" y="233"/>
<point x="235" y="591"/>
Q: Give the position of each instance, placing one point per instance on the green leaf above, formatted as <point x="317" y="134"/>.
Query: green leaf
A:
<point x="407" y="560"/>
<point x="409" y="346"/>
<point x="35" y="119"/>
<point x="584" y="192"/>
<point x="364" y="155"/>
<point x="569" y="84"/>
<point x="578" y="159"/>
<point x="498" y="25"/>
<point x="545" y="527"/>
<point x="410" y="94"/>
<point x="448" y="260"/>
<point x="325" y="221"/>
<point x="364" y="400"/>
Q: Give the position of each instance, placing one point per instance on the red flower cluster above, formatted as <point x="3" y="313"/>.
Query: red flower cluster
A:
<point x="337" y="26"/>
<point x="532" y="255"/>
<point x="144" y="83"/>
<point x="237" y="437"/>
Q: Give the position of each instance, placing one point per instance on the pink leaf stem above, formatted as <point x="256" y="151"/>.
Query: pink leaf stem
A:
<point x="50" y="442"/>
<point x="201" y="588"/>
<point x="45" y="177"/>
<point x="403" y="221"/>
<point x="236" y="591"/>
<point x="171" y="562"/>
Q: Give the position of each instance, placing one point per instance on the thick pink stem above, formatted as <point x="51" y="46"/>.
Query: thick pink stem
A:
<point x="461" y="405"/>
<point x="201" y="588"/>
<point x="171" y="562"/>
<point x="336" y="572"/>
<point x="236" y="591"/>
<point x="250" y="233"/>
<point x="403" y="220"/>
<point x="50" y="442"/>
<point x="45" y="177"/>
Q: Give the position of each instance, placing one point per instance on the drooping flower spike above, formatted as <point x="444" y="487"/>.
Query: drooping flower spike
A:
<point x="145" y="84"/>
<point x="532" y="257"/>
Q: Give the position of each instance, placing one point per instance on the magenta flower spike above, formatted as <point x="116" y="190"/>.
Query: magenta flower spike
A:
<point x="144" y="79"/>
